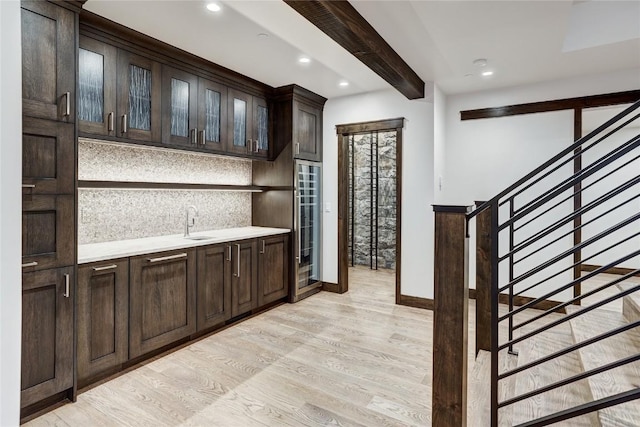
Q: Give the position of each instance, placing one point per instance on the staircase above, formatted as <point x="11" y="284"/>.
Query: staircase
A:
<point x="561" y="275"/>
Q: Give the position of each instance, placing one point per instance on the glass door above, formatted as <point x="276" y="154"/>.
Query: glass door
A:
<point x="308" y="225"/>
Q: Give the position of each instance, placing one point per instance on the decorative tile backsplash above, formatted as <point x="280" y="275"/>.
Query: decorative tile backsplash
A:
<point x="118" y="214"/>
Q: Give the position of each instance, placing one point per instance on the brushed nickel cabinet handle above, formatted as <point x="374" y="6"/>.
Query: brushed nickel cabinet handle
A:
<point x="297" y="148"/>
<point x="28" y="186"/>
<point x="29" y="264"/>
<point x="167" y="258"/>
<point x="110" y="122"/>
<point x="66" y="286"/>
<point x="229" y="258"/>
<point x="203" y="137"/>
<point x="123" y="123"/>
<point x="194" y="136"/>
<point x="106" y="267"/>
<point x="262" y="251"/>
<point x="67" y="106"/>
<point x="238" y="275"/>
<point x="256" y="145"/>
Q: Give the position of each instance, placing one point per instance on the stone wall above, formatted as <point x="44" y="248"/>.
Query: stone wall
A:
<point x="363" y="220"/>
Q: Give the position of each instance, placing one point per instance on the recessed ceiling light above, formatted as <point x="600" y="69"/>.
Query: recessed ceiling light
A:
<point x="343" y="83"/>
<point x="263" y="36"/>
<point x="214" y="7"/>
<point x="480" y="62"/>
<point x="304" y="60"/>
<point x="487" y="73"/>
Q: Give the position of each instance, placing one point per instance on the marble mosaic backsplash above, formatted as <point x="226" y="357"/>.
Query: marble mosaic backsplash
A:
<point x="119" y="214"/>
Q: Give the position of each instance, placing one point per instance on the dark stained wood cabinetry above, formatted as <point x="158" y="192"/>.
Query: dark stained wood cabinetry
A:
<point x="273" y="268"/>
<point x="212" y="115"/>
<point x="48" y="61"/>
<point x="47" y="334"/>
<point x="97" y="87"/>
<point x="307" y="131"/>
<point x="162" y="300"/>
<point x="214" y="285"/>
<point x="244" y="281"/>
<point x="102" y="318"/>
<point x="179" y="107"/>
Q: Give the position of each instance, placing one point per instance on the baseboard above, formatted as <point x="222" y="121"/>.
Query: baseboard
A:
<point x="613" y="270"/>
<point x="416" y="302"/>
<point x="519" y="300"/>
<point x="331" y="287"/>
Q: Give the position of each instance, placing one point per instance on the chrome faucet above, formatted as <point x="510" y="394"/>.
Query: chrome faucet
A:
<point x="187" y="226"/>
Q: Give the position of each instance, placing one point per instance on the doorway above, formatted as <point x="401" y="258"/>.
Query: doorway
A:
<point x="369" y="198"/>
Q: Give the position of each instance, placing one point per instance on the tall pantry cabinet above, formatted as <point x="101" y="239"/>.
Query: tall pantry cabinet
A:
<point x="48" y="197"/>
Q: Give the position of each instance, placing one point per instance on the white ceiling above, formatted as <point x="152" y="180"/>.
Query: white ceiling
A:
<point x="522" y="41"/>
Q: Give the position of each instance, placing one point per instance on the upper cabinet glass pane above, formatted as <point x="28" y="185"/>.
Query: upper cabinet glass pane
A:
<point x="139" y="98"/>
<point x="263" y="128"/>
<point x="212" y="115"/>
<point x="179" y="108"/>
<point x="91" y="86"/>
<point x="239" y="123"/>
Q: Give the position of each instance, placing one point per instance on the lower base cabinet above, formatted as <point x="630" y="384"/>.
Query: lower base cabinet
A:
<point x="47" y="334"/>
<point x="244" y="280"/>
<point x="214" y="285"/>
<point x="162" y="300"/>
<point x="273" y="268"/>
<point x="102" y="318"/>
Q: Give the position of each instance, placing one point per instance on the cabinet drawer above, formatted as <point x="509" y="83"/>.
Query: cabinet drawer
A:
<point x="48" y="160"/>
<point x="47" y="334"/>
<point x="103" y="317"/>
<point x="162" y="300"/>
<point x="48" y="232"/>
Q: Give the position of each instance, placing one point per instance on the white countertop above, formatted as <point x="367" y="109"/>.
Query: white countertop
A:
<point x="126" y="248"/>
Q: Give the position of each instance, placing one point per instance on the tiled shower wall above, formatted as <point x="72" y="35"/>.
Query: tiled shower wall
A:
<point x="119" y="214"/>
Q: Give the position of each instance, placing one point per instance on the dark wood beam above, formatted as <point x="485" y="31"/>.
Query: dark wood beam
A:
<point x="342" y="22"/>
<point x="603" y="100"/>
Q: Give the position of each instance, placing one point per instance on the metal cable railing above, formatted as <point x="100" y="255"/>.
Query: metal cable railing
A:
<point x="539" y="242"/>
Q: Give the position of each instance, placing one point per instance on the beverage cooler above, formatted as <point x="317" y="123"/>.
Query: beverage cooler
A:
<point x="307" y="228"/>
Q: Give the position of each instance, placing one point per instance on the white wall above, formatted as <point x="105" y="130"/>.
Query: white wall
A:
<point x="439" y="141"/>
<point x="484" y="156"/>
<point x="10" y="208"/>
<point x="417" y="181"/>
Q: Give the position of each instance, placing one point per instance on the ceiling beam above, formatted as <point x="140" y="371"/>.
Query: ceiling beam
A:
<point x="342" y="22"/>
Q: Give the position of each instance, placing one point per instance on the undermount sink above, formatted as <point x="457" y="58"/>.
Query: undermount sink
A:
<point x="199" y="237"/>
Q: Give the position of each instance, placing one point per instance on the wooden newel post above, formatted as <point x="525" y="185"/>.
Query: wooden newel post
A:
<point x="450" y="326"/>
<point x="483" y="280"/>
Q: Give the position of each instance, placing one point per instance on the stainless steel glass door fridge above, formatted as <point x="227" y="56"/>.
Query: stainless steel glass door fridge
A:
<point x="308" y="228"/>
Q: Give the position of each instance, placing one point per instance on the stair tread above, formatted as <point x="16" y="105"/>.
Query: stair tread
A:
<point x="620" y="346"/>
<point x="631" y="302"/>
<point x="549" y="372"/>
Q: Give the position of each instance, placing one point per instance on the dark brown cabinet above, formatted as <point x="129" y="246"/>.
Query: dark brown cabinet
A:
<point x="179" y="107"/>
<point x="47" y="334"/>
<point x="214" y="285"/>
<point x="103" y="318"/>
<point x="244" y="281"/>
<point x="212" y="115"/>
<point x="162" y="300"/>
<point x="139" y="97"/>
<point x="97" y="87"/>
<point x="47" y="157"/>
<point x="307" y="131"/>
<point x="248" y="124"/>
<point x="48" y="232"/>
<point x="273" y="268"/>
<point x="48" y="61"/>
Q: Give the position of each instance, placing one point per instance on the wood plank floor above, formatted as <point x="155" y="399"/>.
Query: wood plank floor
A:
<point x="349" y="360"/>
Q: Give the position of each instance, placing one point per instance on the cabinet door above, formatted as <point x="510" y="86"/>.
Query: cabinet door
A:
<point x="139" y="98"/>
<point x="47" y="334"/>
<point x="307" y="132"/>
<point x="97" y="87"/>
<point x="214" y="285"/>
<point x="162" y="300"/>
<point x="179" y="105"/>
<point x="244" y="284"/>
<point x="48" y="61"/>
<point x="103" y="317"/>
<point x="48" y="165"/>
<point x="48" y="232"/>
<point x="212" y="115"/>
<point x="273" y="268"/>
<point x="240" y="121"/>
<point x="259" y="142"/>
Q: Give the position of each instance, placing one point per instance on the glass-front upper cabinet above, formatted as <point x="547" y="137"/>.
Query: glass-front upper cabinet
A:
<point x="96" y="87"/>
<point x="248" y="124"/>
<point x="212" y="115"/>
<point x="260" y="141"/>
<point x="139" y="89"/>
<point x="179" y="107"/>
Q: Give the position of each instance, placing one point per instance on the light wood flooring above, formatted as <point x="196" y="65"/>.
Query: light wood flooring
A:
<point x="349" y="360"/>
